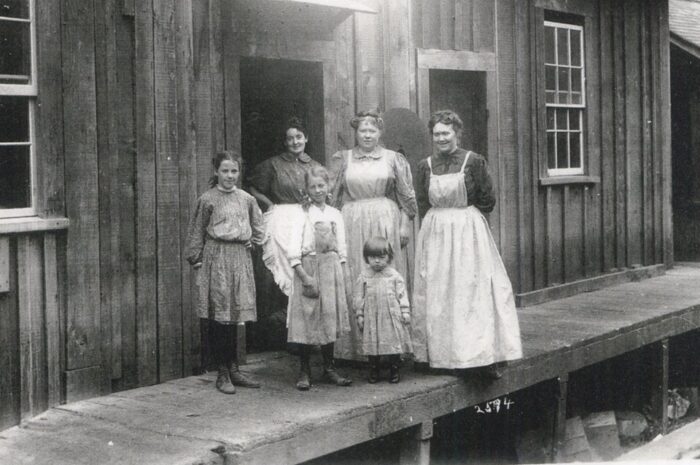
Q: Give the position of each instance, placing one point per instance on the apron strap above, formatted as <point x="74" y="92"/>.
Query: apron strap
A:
<point x="430" y="165"/>
<point x="464" y="164"/>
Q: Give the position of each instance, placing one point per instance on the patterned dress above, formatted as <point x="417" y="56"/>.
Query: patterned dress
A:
<point x="319" y="246"/>
<point x="381" y="297"/>
<point x="223" y="222"/>
<point x="373" y="189"/>
<point x="464" y="311"/>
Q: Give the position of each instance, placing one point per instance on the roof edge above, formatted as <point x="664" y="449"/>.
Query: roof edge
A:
<point x="685" y="45"/>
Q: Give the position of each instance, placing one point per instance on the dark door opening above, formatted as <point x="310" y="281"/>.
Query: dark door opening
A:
<point x="272" y="91"/>
<point x="465" y="93"/>
<point x="685" y="149"/>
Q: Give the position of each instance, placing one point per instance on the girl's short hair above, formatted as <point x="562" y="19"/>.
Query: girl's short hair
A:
<point x="317" y="172"/>
<point x="376" y="247"/>
<point x="220" y="157"/>
<point x="446" y="117"/>
<point x="370" y="115"/>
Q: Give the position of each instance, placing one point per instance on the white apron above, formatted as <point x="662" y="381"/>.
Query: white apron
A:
<point x="464" y="311"/>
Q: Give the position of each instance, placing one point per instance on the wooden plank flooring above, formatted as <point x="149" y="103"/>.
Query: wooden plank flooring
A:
<point x="270" y="425"/>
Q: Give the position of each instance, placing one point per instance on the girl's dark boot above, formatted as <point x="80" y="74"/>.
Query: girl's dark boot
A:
<point x="223" y="381"/>
<point x="304" y="380"/>
<point x="329" y="371"/>
<point x="239" y="379"/>
<point x="394" y="376"/>
<point x="373" y="375"/>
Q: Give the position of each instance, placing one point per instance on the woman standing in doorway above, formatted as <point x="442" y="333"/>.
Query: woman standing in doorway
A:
<point x="464" y="310"/>
<point x="374" y="187"/>
<point x="278" y="184"/>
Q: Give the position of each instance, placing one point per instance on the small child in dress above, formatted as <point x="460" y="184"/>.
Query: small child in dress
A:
<point x="382" y="310"/>
<point x="226" y="222"/>
<point x="318" y="305"/>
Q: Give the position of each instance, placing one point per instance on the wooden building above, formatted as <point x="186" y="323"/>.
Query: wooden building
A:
<point x="111" y="111"/>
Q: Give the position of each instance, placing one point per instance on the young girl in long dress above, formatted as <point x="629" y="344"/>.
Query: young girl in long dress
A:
<point x="226" y="222"/>
<point x="382" y="310"/>
<point x="318" y="309"/>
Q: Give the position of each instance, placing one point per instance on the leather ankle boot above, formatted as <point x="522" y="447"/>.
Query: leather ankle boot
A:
<point x="223" y="381"/>
<point x="239" y="379"/>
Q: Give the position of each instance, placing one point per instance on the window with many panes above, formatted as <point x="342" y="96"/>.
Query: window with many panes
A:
<point x="565" y="97"/>
<point x="17" y="96"/>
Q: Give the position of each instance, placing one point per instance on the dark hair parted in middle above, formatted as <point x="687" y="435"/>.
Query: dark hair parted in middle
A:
<point x="221" y="156"/>
<point x="295" y="123"/>
<point x="370" y="115"/>
<point x="446" y="117"/>
<point x="376" y="247"/>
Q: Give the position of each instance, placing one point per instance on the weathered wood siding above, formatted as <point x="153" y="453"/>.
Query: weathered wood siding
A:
<point x="147" y="91"/>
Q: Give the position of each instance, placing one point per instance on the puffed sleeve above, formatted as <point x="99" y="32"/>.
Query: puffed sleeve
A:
<point x="422" y="186"/>
<point x="340" y="237"/>
<point x="401" y="294"/>
<point x="262" y="176"/>
<point x="197" y="232"/>
<point x="336" y="170"/>
<point x="405" y="194"/>
<point x="256" y="221"/>
<point x="479" y="184"/>
<point x="358" y="296"/>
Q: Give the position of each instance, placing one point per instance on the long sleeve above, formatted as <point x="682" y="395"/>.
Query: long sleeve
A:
<point x="298" y="230"/>
<point x="358" y="296"/>
<point x="336" y="170"/>
<point x="422" y="186"/>
<point x="405" y="195"/>
<point x="256" y="222"/>
<point x="340" y="238"/>
<point x="479" y="185"/>
<point x="401" y="294"/>
<point x="197" y="232"/>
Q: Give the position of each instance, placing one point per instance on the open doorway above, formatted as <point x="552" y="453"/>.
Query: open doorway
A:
<point x="272" y="91"/>
<point x="465" y="93"/>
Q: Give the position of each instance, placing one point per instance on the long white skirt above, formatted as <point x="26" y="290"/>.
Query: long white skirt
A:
<point x="464" y="311"/>
<point x="279" y="223"/>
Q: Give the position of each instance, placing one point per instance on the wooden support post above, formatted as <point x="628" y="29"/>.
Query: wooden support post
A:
<point x="559" y="430"/>
<point x="660" y="384"/>
<point x="240" y="344"/>
<point x="416" y="447"/>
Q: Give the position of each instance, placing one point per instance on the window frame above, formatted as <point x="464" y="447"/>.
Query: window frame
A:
<point x="30" y="92"/>
<point x="580" y="107"/>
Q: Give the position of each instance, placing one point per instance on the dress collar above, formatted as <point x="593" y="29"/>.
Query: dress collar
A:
<point x="304" y="157"/>
<point x="360" y="155"/>
<point x="226" y="190"/>
<point x="454" y="155"/>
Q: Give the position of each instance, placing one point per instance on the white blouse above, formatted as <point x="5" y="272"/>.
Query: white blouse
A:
<point x="302" y="236"/>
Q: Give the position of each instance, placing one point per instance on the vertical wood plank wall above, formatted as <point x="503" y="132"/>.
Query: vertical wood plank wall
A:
<point x="147" y="92"/>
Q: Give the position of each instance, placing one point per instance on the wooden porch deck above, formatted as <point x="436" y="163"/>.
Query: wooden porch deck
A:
<point x="187" y="422"/>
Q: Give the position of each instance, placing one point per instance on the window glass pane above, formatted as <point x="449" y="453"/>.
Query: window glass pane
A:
<point x="551" y="151"/>
<point x="561" y="118"/>
<point x="575" y="48"/>
<point x="550" y="118"/>
<point x="562" y="147"/>
<point x="15" y="178"/>
<point x="563" y="46"/>
<point x="549" y="44"/>
<point x="564" y="79"/>
<point x="14" y="52"/>
<point x="551" y="96"/>
<point x="574" y="120"/>
<point x="14" y="119"/>
<point x="14" y="8"/>
<point x="550" y="74"/>
<point x="575" y="149"/>
<point x="576" y="80"/>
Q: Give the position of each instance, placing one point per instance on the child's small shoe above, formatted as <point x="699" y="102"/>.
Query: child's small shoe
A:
<point x="303" y="383"/>
<point x="394" y="376"/>
<point x="239" y="379"/>
<point x="334" y="377"/>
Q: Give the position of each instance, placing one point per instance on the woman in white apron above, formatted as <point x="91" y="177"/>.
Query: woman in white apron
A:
<point x="464" y="310"/>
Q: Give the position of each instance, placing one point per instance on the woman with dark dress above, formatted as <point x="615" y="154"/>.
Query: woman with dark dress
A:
<point x="464" y="311"/>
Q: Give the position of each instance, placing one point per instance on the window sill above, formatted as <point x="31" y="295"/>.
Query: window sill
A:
<point x="561" y="180"/>
<point x="32" y="224"/>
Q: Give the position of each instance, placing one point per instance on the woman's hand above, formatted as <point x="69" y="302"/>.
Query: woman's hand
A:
<point x="360" y="323"/>
<point x="310" y="290"/>
<point x="406" y="318"/>
<point x="404" y="229"/>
